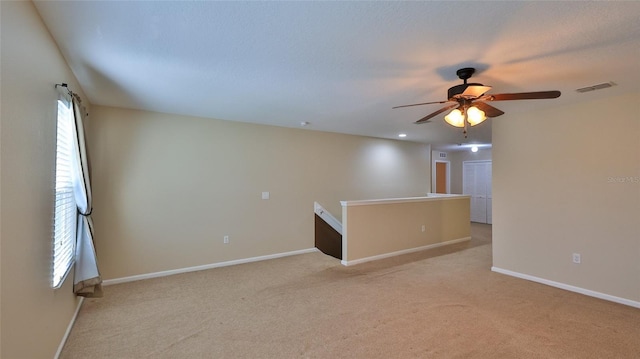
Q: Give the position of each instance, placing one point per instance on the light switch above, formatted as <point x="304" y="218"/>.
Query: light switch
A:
<point x="265" y="195"/>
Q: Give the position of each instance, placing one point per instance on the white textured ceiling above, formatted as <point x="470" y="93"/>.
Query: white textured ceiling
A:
<point x="341" y="66"/>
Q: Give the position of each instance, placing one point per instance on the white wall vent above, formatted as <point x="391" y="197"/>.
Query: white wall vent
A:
<point x="596" y="87"/>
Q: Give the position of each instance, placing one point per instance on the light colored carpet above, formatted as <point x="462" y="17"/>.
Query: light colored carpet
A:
<point x="442" y="303"/>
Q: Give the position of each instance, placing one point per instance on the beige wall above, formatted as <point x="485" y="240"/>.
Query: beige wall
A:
<point x="167" y="188"/>
<point x="457" y="159"/>
<point x="34" y="316"/>
<point x="376" y="229"/>
<point x="567" y="180"/>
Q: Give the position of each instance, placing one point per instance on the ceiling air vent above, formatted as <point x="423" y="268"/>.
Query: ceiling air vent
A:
<point x="596" y="87"/>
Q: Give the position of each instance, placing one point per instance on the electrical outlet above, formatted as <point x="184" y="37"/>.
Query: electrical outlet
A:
<point x="576" y="258"/>
<point x="423" y="228"/>
<point x="226" y="239"/>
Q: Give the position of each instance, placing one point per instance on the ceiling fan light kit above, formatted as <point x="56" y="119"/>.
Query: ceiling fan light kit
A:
<point x="475" y="116"/>
<point x="470" y="99"/>
<point x="472" y="115"/>
<point x="455" y="118"/>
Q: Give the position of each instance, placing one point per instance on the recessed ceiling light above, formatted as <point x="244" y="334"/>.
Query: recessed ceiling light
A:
<point x="402" y="135"/>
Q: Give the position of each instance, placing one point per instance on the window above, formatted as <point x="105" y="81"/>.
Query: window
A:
<point x="64" y="223"/>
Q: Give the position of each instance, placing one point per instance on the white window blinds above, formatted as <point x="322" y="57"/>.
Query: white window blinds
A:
<point x="65" y="205"/>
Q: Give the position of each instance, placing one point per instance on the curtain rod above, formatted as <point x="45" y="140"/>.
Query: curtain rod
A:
<point x="73" y="95"/>
<point x="66" y="87"/>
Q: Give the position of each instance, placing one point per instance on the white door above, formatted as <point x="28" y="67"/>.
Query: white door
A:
<point x="476" y="182"/>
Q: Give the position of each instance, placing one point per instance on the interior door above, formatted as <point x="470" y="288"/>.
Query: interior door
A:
<point x="441" y="177"/>
<point x="476" y="182"/>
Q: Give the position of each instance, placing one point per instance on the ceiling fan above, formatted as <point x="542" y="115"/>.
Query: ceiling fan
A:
<point x="468" y="102"/>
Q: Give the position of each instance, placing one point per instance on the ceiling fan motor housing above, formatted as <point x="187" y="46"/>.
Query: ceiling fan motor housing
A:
<point x="455" y="91"/>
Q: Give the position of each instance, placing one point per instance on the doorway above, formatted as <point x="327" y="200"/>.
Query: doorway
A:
<point x="476" y="182"/>
<point x="442" y="182"/>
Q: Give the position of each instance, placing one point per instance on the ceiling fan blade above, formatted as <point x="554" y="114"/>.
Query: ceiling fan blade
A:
<point x="475" y="91"/>
<point x="420" y="104"/>
<point x="431" y="115"/>
<point x="522" y="96"/>
<point x="489" y="110"/>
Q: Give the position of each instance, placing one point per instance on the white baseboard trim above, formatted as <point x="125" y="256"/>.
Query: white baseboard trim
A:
<point x="404" y="251"/>
<point x="205" y="267"/>
<point x="568" y="287"/>
<point x="69" y="327"/>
